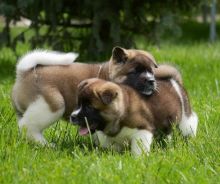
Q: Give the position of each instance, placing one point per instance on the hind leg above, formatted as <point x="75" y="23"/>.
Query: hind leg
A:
<point x="188" y="125"/>
<point x="37" y="117"/>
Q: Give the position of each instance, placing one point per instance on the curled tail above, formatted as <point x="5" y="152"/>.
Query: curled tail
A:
<point x="44" y="57"/>
<point x="168" y="71"/>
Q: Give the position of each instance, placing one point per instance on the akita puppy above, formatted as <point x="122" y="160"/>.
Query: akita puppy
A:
<point x="119" y="114"/>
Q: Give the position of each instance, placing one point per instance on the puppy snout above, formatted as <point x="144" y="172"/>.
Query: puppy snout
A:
<point x="150" y="78"/>
<point x="151" y="81"/>
<point x="143" y="79"/>
<point x="74" y="119"/>
<point x="147" y="80"/>
<point x="74" y="116"/>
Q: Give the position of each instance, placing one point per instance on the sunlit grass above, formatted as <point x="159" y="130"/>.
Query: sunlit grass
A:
<point x="74" y="160"/>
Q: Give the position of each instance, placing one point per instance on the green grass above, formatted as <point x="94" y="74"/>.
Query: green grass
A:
<point x="74" y="160"/>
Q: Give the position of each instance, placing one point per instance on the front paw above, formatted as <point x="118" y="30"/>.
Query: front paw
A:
<point x="100" y="139"/>
<point x="140" y="142"/>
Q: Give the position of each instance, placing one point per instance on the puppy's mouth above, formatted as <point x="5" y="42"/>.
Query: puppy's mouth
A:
<point x="148" y="90"/>
<point x="83" y="131"/>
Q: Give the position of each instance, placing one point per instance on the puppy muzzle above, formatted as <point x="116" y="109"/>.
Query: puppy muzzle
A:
<point x="150" y="84"/>
<point x="74" y="116"/>
<point x="74" y="120"/>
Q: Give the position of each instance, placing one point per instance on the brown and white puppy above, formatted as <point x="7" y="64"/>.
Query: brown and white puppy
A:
<point x="118" y="113"/>
<point x="46" y="83"/>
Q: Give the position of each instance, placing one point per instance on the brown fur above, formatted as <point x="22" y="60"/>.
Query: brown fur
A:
<point x="58" y="84"/>
<point x="127" y="108"/>
<point x="166" y="71"/>
<point x="128" y="59"/>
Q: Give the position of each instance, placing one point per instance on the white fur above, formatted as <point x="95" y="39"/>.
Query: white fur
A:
<point x="44" y="57"/>
<point x="15" y="99"/>
<point x="101" y="139"/>
<point x="187" y="125"/>
<point x="37" y="117"/>
<point x="140" y="140"/>
<point x="76" y="112"/>
<point x="150" y="76"/>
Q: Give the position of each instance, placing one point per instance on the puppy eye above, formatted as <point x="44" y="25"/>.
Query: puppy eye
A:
<point x="139" y="69"/>
<point x="89" y="106"/>
<point x="121" y="62"/>
<point x="132" y="72"/>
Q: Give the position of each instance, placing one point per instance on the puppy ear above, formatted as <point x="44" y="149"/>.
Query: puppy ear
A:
<point x="155" y="64"/>
<point x="82" y="85"/>
<point x="119" y="55"/>
<point x="107" y="96"/>
<point x="152" y="59"/>
<point x="85" y="83"/>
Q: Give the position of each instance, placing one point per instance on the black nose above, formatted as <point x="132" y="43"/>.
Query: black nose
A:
<point x="151" y="82"/>
<point x="74" y="119"/>
<point x="144" y="79"/>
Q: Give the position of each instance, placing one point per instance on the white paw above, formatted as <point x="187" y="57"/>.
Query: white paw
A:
<point x="140" y="142"/>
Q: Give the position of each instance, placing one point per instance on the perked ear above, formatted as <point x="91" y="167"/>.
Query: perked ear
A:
<point x="107" y="96"/>
<point x="82" y="85"/>
<point x="119" y="55"/>
<point x="155" y="64"/>
<point x="153" y="61"/>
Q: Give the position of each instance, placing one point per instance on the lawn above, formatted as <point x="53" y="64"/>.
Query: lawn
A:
<point x="75" y="160"/>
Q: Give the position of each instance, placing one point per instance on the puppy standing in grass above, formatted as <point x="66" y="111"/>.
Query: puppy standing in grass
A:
<point x="46" y="83"/>
<point x="118" y="114"/>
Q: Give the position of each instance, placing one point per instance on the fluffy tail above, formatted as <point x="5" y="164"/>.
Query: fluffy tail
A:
<point x="168" y="71"/>
<point x="44" y="57"/>
<point x="188" y="125"/>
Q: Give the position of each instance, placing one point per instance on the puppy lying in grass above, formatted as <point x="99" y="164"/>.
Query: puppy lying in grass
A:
<point x="118" y="114"/>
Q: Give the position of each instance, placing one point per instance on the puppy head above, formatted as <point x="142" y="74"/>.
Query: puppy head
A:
<point x="100" y="105"/>
<point x="134" y="68"/>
